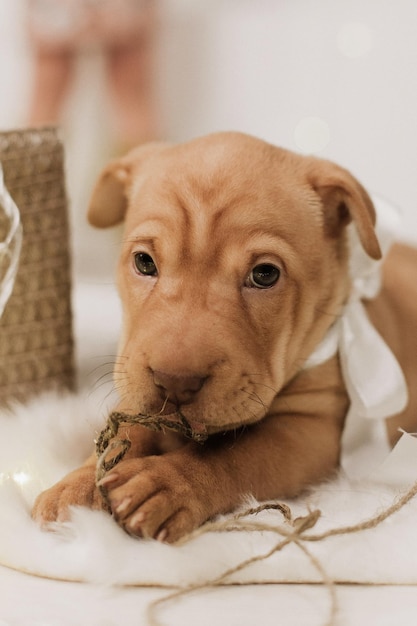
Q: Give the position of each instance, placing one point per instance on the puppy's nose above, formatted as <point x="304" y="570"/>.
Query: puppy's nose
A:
<point x="178" y="389"/>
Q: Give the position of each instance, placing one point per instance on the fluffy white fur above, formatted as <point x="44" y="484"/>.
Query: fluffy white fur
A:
<point x="51" y="435"/>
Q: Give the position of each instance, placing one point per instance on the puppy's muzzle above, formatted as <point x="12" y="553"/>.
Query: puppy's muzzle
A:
<point x="178" y="389"/>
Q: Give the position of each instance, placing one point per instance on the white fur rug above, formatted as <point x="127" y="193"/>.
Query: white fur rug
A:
<point x="42" y="441"/>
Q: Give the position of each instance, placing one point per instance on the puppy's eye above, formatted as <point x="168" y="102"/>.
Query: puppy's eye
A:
<point x="145" y="264"/>
<point x="264" y="276"/>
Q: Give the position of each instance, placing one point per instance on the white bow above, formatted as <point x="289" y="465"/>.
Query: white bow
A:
<point x="374" y="380"/>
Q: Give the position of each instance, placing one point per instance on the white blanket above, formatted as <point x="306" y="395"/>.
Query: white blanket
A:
<point x="47" y="438"/>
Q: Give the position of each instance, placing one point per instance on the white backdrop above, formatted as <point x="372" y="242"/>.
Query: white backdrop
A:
<point x="335" y="78"/>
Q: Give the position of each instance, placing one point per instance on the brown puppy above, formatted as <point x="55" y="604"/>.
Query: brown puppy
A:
<point x="233" y="267"/>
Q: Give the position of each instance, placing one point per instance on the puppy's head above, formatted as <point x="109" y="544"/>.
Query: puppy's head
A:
<point x="232" y="269"/>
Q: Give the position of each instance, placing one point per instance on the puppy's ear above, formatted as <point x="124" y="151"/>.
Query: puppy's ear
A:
<point x="344" y="199"/>
<point x="110" y="194"/>
<point x="109" y="200"/>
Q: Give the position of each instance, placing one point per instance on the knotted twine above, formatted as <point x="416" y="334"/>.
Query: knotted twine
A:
<point x="294" y="531"/>
<point x="110" y="451"/>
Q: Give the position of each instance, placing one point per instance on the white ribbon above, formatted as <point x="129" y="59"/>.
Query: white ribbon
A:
<point x="374" y="380"/>
<point x="11" y="245"/>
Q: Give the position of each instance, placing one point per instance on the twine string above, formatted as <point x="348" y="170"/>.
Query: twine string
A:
<point x="294" y="532"/>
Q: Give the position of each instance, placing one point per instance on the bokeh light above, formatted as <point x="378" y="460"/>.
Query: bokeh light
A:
<point x="21" y="477"/>
<point x="312" y="134"/>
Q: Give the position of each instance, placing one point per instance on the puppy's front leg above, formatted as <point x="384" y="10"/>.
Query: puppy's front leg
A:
<point x="169" y="495"/>
<point x="78" y="488"/>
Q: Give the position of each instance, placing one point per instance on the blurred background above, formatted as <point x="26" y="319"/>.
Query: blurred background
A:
<point x="337" y="79"/>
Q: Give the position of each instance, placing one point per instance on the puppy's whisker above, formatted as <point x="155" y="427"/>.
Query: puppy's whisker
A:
<point x="238" y="415"/>
<point x="108" y="375"/>
<point x="251" y="376"/>
<point x="236" y="432"/>
<point x="123" y="389"/>
<point x="105" y="398"/>
<point x="98" y="374"/>
<point x="101" y="365"/>
<point x="121" y="384"/>
<point x="111" y="359"/>
<point x="255" y="398"/>
<point x="266" y="387"/>
<point x="102" y="382"/>
<point x="122" y="356"/>
<point x="101" y="386"/>
<point x="239" y="432"/>
<point x="120" y="375"/>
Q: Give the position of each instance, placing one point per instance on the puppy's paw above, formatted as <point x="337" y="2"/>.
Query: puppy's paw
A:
<point x="153" y="497"/>
<point x="77" y="488"/>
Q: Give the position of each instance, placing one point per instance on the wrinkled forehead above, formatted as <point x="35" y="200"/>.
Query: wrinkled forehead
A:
<point x="228" y="191"/>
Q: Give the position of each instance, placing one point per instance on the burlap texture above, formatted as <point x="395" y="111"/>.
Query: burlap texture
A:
<point x="36" y="344"/>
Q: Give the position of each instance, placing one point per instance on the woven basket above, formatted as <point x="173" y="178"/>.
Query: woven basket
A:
<point x="36" y="345"/>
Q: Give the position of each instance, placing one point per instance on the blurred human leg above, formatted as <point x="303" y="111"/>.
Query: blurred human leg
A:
<point x="131" y="76"/>
<point x="53" y="72"/>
